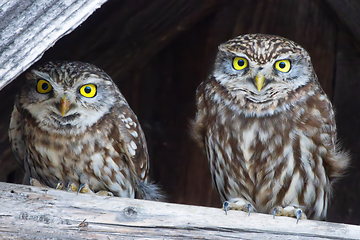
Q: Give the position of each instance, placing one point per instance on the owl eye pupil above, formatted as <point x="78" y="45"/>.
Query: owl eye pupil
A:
<point x="44" y="86"/>
<point x="282" y="65"/>
<point x="87" y="89"/>
<point x="241" y="62"/>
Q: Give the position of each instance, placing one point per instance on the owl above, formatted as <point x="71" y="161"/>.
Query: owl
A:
<point x="71" y="125"/>
<point x="268" y="129"/>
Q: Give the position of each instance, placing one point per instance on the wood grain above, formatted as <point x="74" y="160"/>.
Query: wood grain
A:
<point x="29" y="28"/>
<point x="31" y="212"/>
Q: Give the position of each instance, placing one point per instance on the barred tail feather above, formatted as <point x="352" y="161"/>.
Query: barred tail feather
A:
<point x="149" y="191"/>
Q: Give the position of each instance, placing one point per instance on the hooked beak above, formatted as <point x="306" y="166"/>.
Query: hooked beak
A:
<point x="64" y="105"/>
<point x="259" y="81"/>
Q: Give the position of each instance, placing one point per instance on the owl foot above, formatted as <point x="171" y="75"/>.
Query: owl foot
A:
<point x="84" y="188"/>
<point x="104" y="193"/>
<point x="71" y="187"/>
<point x="237" y="204"/>
<point x="290" y="211"/>
<point x="36" y="183"/>
<point x="59" y="185"/>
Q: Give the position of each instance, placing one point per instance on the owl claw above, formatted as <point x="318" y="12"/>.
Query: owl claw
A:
<point x="84" y="188"/>
<point x="274" y="213"/>
<point x="225" y="206"/>
<point x="238" y="204"/>
<point x="59" y="185"/>
<point x="36" y="183"/>
<point x="71" y="187"/>
<point x="298" y="215"/>
<point x="249" y="206"/>
<point x="289" y="211"/>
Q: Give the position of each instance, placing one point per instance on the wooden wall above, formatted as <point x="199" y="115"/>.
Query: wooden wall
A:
<point x="158" y="52"/>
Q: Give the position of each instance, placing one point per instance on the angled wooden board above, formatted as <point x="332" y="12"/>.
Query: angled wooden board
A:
<point x="28" y="28"/>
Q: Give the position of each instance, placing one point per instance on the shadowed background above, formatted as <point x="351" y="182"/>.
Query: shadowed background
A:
<point x="159" y="51"/>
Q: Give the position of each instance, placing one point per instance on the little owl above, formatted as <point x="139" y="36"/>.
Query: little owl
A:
<point x="268" y="129"/>
<point x="71" y="125"/>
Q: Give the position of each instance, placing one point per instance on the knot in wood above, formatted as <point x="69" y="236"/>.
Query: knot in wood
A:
<point x="130" y="212"/>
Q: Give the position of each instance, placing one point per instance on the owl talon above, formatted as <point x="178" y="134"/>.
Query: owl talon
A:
<point x="249" y="206"/>
<point x="84" y="188"/>
<point x="274" y="213"/>
<point x="36" y="183"/>
<point x="71" y="187"/>
<point x="225" y="206"/>
<point x="298" y="215"/>
<point x="289" y="211"/>
<point x="59" y="185"/>
<point x="238" y="204"/>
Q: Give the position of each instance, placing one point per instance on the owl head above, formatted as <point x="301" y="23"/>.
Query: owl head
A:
<point x="261" y="72"/>
<point x="67" y="96"/>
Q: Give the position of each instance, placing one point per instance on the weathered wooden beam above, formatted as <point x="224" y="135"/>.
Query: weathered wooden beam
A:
<point x="28" y="28"/>
<point x="31" y="212"/>
<point x="348" y="14"/>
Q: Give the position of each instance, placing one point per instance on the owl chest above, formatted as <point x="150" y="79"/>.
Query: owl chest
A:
<point x="251" y="141"/>
<point x="43" y="146"/>
<point x="54" y="157"/>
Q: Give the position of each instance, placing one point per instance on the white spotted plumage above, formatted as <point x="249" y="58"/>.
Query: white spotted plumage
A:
<point x="64" y="135"/>
<point x="269" y="133"/>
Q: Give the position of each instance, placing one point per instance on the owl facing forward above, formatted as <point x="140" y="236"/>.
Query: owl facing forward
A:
<point x="268" y="128"/>
<point x="71" y="124"/>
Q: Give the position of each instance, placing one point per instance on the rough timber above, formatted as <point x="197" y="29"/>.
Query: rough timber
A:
<point x="28" y="28"/>
<point x="28" y="212"/>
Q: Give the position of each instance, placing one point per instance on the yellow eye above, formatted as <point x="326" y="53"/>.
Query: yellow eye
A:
<point x="43" y="86"/>
<point x="283" y="65"/>
<point x="240" y="63"/>
<point x="88" y="90"/>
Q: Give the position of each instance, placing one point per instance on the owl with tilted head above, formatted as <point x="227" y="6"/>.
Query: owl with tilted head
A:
<point x="268" y="129"/>
<point x="72" y="127"/>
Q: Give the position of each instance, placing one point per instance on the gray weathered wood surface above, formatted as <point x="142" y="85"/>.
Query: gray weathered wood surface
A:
<point x="29" y="212"/>
<point x="28" y="28"/>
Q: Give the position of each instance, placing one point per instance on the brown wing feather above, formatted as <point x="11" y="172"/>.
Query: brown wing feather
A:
<point x="336" y="160"/>
<point x="16" y="136"/>
<point x="131" y="142"/>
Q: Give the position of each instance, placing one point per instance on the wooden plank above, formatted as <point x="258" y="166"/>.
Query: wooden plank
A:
<point x="347" y="107"/>
<point x="28" y="28"/>
<point x="31" y="212"/>
<point x="348" y="13"/>
<point x="121" y="45"/>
